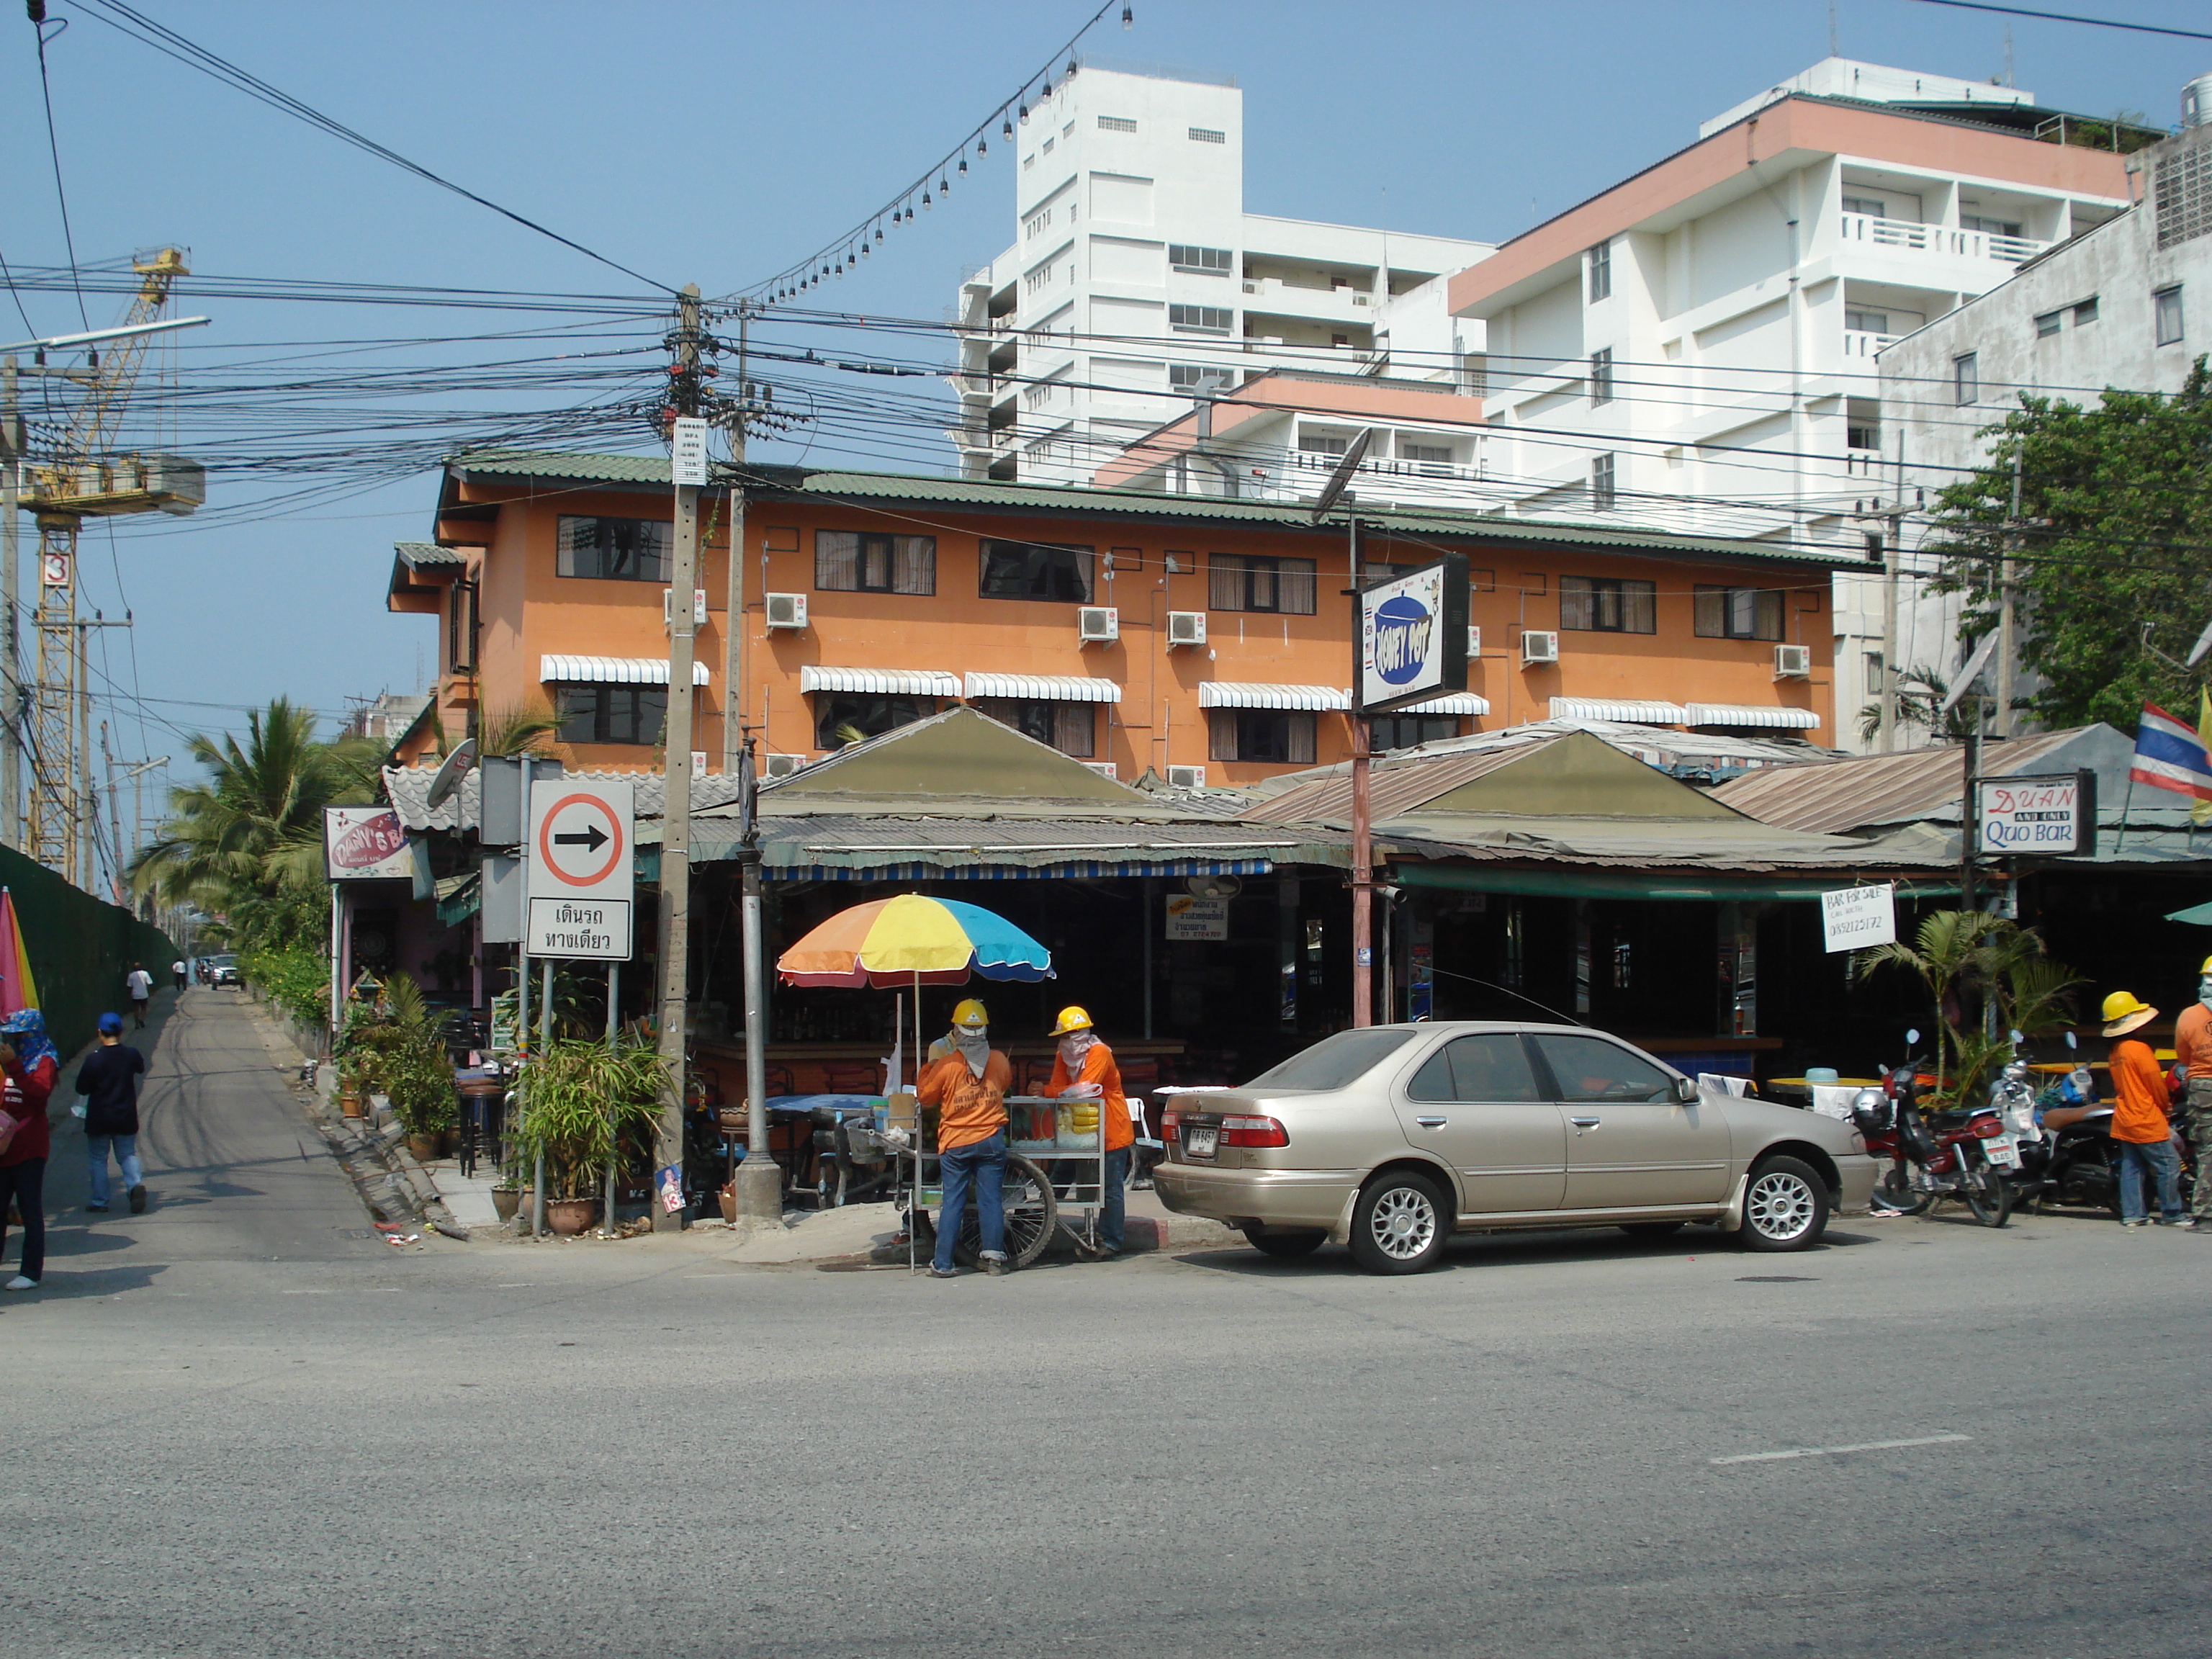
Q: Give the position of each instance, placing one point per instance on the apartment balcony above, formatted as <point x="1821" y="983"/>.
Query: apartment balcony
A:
<point x="1860" y="230"/>
<point x="1862" y="463"/>
<point x="1859" y="347"/>
<point x="1298" y="300"/>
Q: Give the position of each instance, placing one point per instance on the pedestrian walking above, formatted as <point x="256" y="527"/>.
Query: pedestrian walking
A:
<point x="23" y="1094"/>
<point x="178" y="969"/>
<point x="2192" y="1047"/>
<point x="141" y="985"/>
<point x="1083" y="1069"/>
<point x="2141" y="1132"/>
<point x="108" y="1080"/>
<point x="966" y="1079"/>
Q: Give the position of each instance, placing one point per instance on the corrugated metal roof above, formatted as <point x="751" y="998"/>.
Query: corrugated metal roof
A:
<point x="1866" y="790"/>
<point x="419" y="555"/>
<point x="1394" y="786"/>
<point x="407" y="788"/>
<point x="1729" y="714"/>
<point x="772" y="483"/>
<point x="1044" y="688"/>
<point x="1626" y="712"/>
<point x="1254" y="693"/>
<point x="880" y="682"/>
<point x="852" y="841"/>
<point x="612" y="671"/>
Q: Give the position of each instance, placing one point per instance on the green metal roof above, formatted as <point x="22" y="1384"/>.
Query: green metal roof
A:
<point x="801" y="484"/>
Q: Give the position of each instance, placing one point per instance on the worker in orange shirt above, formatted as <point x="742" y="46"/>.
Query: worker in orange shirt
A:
<point x="966" y="1079"/>
<point x="1083" y="1069"/>
<point x="2140" y="1132"/>
<point x="2192" y="1047"/>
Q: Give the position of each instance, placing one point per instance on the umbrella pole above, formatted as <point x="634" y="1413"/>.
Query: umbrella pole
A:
<point x="913" y="1201"/>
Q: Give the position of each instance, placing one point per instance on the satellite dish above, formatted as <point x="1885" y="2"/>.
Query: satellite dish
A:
<point x="1214" y="887"/>
<point x="1971" y="672"/>
<point x="1342" y="476"/>
<point x="2204" y="644"/>
<point x="451" y="771"/>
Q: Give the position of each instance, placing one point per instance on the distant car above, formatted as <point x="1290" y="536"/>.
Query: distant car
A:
<point x="224" y="970"/>
<point x="1391" y="1137"/>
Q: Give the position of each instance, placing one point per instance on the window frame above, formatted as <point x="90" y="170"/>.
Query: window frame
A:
<point x="867" y="542"/>
<point x="564" y="552"/>
<point x="1226" y="730"/>
<point x="1060" y="719"/>
<point x="1769" y="611"/>
<point x="1601" y="376"/>
<point x="605" y="696"/>
<point x="1627" y="599"/>
<point x="1197" y="261"/>
<point x="1286" y="574"/>
<point x="825" y="706"/>
<point x="1378" y="742"/>
<point x="1604" y="487"/>
<point x="1084" y="565"/>
<point x="1599" y="259"/>
<point x="1183" y="325"/>
<point x="2158" y="309"/>
<point x="1965" y="380"/>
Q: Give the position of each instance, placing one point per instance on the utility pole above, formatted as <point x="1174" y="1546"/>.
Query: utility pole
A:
<point x="1363" y="846"/>
<point x="11" y="665"/>
<point x="684" y="401"/>
<point x="115" y="819"/>
<point x="733" y="625"/>
<point x="2005" y="625"/>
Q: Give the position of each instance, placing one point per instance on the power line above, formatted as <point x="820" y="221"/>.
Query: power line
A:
<point x="38" y="11"/>
<point x="2070" y="17"/>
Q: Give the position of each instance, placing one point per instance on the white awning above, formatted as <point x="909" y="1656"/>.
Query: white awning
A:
<point x="1452" y="702"/>
<point x="1629" y="713"/>
<point x="1727" y="713"/>
<point x="1251" y="694"/>
<point x="882" y="681"/>
<point x="1044" y="688"/>
<point x="612" y="671"/>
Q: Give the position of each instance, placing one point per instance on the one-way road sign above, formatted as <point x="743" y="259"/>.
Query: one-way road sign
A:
<point x="579" y="839"/>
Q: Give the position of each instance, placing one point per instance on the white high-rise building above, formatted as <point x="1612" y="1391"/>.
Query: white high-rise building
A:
<point x="1136" y="281"/>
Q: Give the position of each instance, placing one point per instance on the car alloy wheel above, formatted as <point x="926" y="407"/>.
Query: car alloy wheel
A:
<point x="1785" y="1207"/>
<point x="1399" y="1224"/>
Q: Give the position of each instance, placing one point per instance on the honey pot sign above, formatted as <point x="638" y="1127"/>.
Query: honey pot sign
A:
<point x="366" y="843"/>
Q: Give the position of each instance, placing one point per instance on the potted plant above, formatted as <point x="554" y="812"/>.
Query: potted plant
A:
<point x="412" y="1067"/>
<point x="577" y="1100"/>
<point x="351" y="1090"/>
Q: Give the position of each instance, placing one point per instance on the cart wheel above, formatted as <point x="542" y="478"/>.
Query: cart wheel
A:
<point x="1025" y="1194"/>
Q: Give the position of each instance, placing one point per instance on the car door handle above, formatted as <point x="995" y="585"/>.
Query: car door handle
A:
<point x="1432" y="1122"/>
<point x="1586" y="1122"/>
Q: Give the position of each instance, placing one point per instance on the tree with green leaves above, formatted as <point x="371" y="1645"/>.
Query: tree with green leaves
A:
<point x="2114" y="531"/>
<point x="1979" y="970"/>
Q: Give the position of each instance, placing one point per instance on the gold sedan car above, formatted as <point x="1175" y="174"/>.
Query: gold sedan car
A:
<point x="1391" y="1137"/>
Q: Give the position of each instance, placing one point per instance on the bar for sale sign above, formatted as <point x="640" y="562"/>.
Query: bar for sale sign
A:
<point x="1853" y="918"/>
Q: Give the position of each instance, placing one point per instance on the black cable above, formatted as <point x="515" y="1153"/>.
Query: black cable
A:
<point x="2068" y="17"/>
<point x="54" y="150"/>
<point x="172" y="44"/>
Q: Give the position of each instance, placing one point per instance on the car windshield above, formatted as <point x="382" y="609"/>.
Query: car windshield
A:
<point x="1334" y="1061"/>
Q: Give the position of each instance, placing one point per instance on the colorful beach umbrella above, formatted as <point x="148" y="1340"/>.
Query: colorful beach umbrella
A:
<point x="18" y="990"/>
<point x="894" y="943"/>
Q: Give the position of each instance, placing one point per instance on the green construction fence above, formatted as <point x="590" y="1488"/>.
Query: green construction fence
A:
<point x="81" y="947"/>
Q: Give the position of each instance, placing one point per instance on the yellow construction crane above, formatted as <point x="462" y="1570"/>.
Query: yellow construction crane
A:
<point x="75" y="476"/>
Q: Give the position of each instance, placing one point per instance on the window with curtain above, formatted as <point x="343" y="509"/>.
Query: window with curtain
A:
<point x="1239" y="581"/>
<point x="1406" y="730"/>
<point x="613" y="549"/>
<point x="1609" y="604"/>
<point x="845" y="717"/>
<point x="1035" y="570"/>
<point x="1260" y="734"/>
<point x="1737" y="613"/>
<point x="1070" y="727"/>
<point x="611" y="714"/>
<point x="855" y="561"/>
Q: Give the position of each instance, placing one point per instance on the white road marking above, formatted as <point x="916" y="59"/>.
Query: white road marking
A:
<point x="1830" y="1452"/>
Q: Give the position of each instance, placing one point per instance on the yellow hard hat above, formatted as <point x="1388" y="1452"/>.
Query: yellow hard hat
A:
<point x="970" y="1015"/>
<point x="1071" y="1020"/>
<point x="2207" y="968"/>
<point x="2125" y="1012"/>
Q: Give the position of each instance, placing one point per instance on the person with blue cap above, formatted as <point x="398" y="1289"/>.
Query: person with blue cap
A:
<point x="108" y="1080"/>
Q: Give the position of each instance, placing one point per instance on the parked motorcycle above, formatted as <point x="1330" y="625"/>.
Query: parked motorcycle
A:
<point x="1932" y="1156"/>
<point x="2070" y="1160"/>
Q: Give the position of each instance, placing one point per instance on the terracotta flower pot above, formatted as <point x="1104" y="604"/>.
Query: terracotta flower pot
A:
<point x="728" y="1198"/>
<point x="424" y="1149"/>
<point x="349" y="1104"/>
<point x="569" y="1217"/>
<point x="505" y="1201"/>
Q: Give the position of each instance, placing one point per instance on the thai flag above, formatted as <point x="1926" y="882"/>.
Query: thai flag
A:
<point x="2169" y="755"/>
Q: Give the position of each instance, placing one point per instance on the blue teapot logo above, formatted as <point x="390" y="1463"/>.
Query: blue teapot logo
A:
<point x="1403" y="625"/>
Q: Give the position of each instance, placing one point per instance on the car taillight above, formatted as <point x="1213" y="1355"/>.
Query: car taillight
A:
<point x="1170" y="1121"/>
<point x="1253" y="1132"/>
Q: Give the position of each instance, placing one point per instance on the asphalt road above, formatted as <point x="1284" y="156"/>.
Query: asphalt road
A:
<point x="240" y="1424"/>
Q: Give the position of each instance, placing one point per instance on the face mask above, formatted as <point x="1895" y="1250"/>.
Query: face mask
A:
<point x="2204" y="991"/>
<point x="1073" y="1047"/>
<point x="975" y="1047"/>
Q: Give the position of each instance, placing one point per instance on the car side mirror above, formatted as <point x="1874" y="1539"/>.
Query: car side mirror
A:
<point x="1686" y="1090"/>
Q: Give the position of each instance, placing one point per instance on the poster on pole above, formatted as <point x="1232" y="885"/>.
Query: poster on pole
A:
<point x="1412" y="636"/>
<point x="366" y="843"/>
<point x="1190" y="918"/>
<point x="688" y="451"/>
<point x="582" y="883"/>
<point x="1853" y="918"/>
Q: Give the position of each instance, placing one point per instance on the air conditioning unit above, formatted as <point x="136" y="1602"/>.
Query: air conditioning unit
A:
<point x="787" y="611"/>
<point x="1474" y="642"/>
<point x="698" y="606"/>
<point x="1104" y="770"/>
<point x="1538" y="646"/>
<point x="1792" y="662"/>
<point x="780" y="766"/>
<point x="1097" y="624"/>
<point x="1186" y="628"/>
<point x="1185" y="777"/>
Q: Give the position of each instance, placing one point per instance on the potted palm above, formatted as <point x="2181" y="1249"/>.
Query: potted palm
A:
<point x="578" y="1100"/>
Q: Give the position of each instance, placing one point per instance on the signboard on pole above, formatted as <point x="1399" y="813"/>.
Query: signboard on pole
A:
<point x="2053" y="815"/>
<point x="688" y="451"/>
<point x="1412" y="636"/>
<point x="581" y="885"/>
<point x="1852" y="918"/>
<point x="366" y="843"/>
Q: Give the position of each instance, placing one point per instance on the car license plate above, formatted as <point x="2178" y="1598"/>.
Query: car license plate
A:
<point x="2003" y="1152"/>
<point x="1200" y="1143"/>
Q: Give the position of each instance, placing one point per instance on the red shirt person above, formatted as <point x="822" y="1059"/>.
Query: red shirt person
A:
<point x="23" y="1094"/>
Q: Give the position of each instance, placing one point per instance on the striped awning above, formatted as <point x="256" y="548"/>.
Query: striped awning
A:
<point x="1044" y="688"/>
<point x="1629" y="713"/>
<point x="1253" y="694"/>
<point x="612" y="671"/>
<point x="1452" y="702"/>
<point x="1092" y="869"/>
<point x="1729" y="714"/>
<point x="882" y="681"/>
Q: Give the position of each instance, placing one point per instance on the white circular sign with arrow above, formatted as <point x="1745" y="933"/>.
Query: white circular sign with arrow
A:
<point x="580" y="839"/>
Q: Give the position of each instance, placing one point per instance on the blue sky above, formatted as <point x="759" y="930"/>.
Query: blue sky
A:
<point x="715" y="143"/>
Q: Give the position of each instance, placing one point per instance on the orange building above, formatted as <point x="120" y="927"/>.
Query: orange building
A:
<point x="1207" y="640"/>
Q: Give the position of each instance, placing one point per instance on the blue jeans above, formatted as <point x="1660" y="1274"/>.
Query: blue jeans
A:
<point x="2157" y="1157"/>
<point x="126" y="1156"/>
<point x="981" y="1166"/>
<point x="1110" y="1202"/>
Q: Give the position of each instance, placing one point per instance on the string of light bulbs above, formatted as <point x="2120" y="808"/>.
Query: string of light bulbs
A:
<point x="834" y="256"/>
